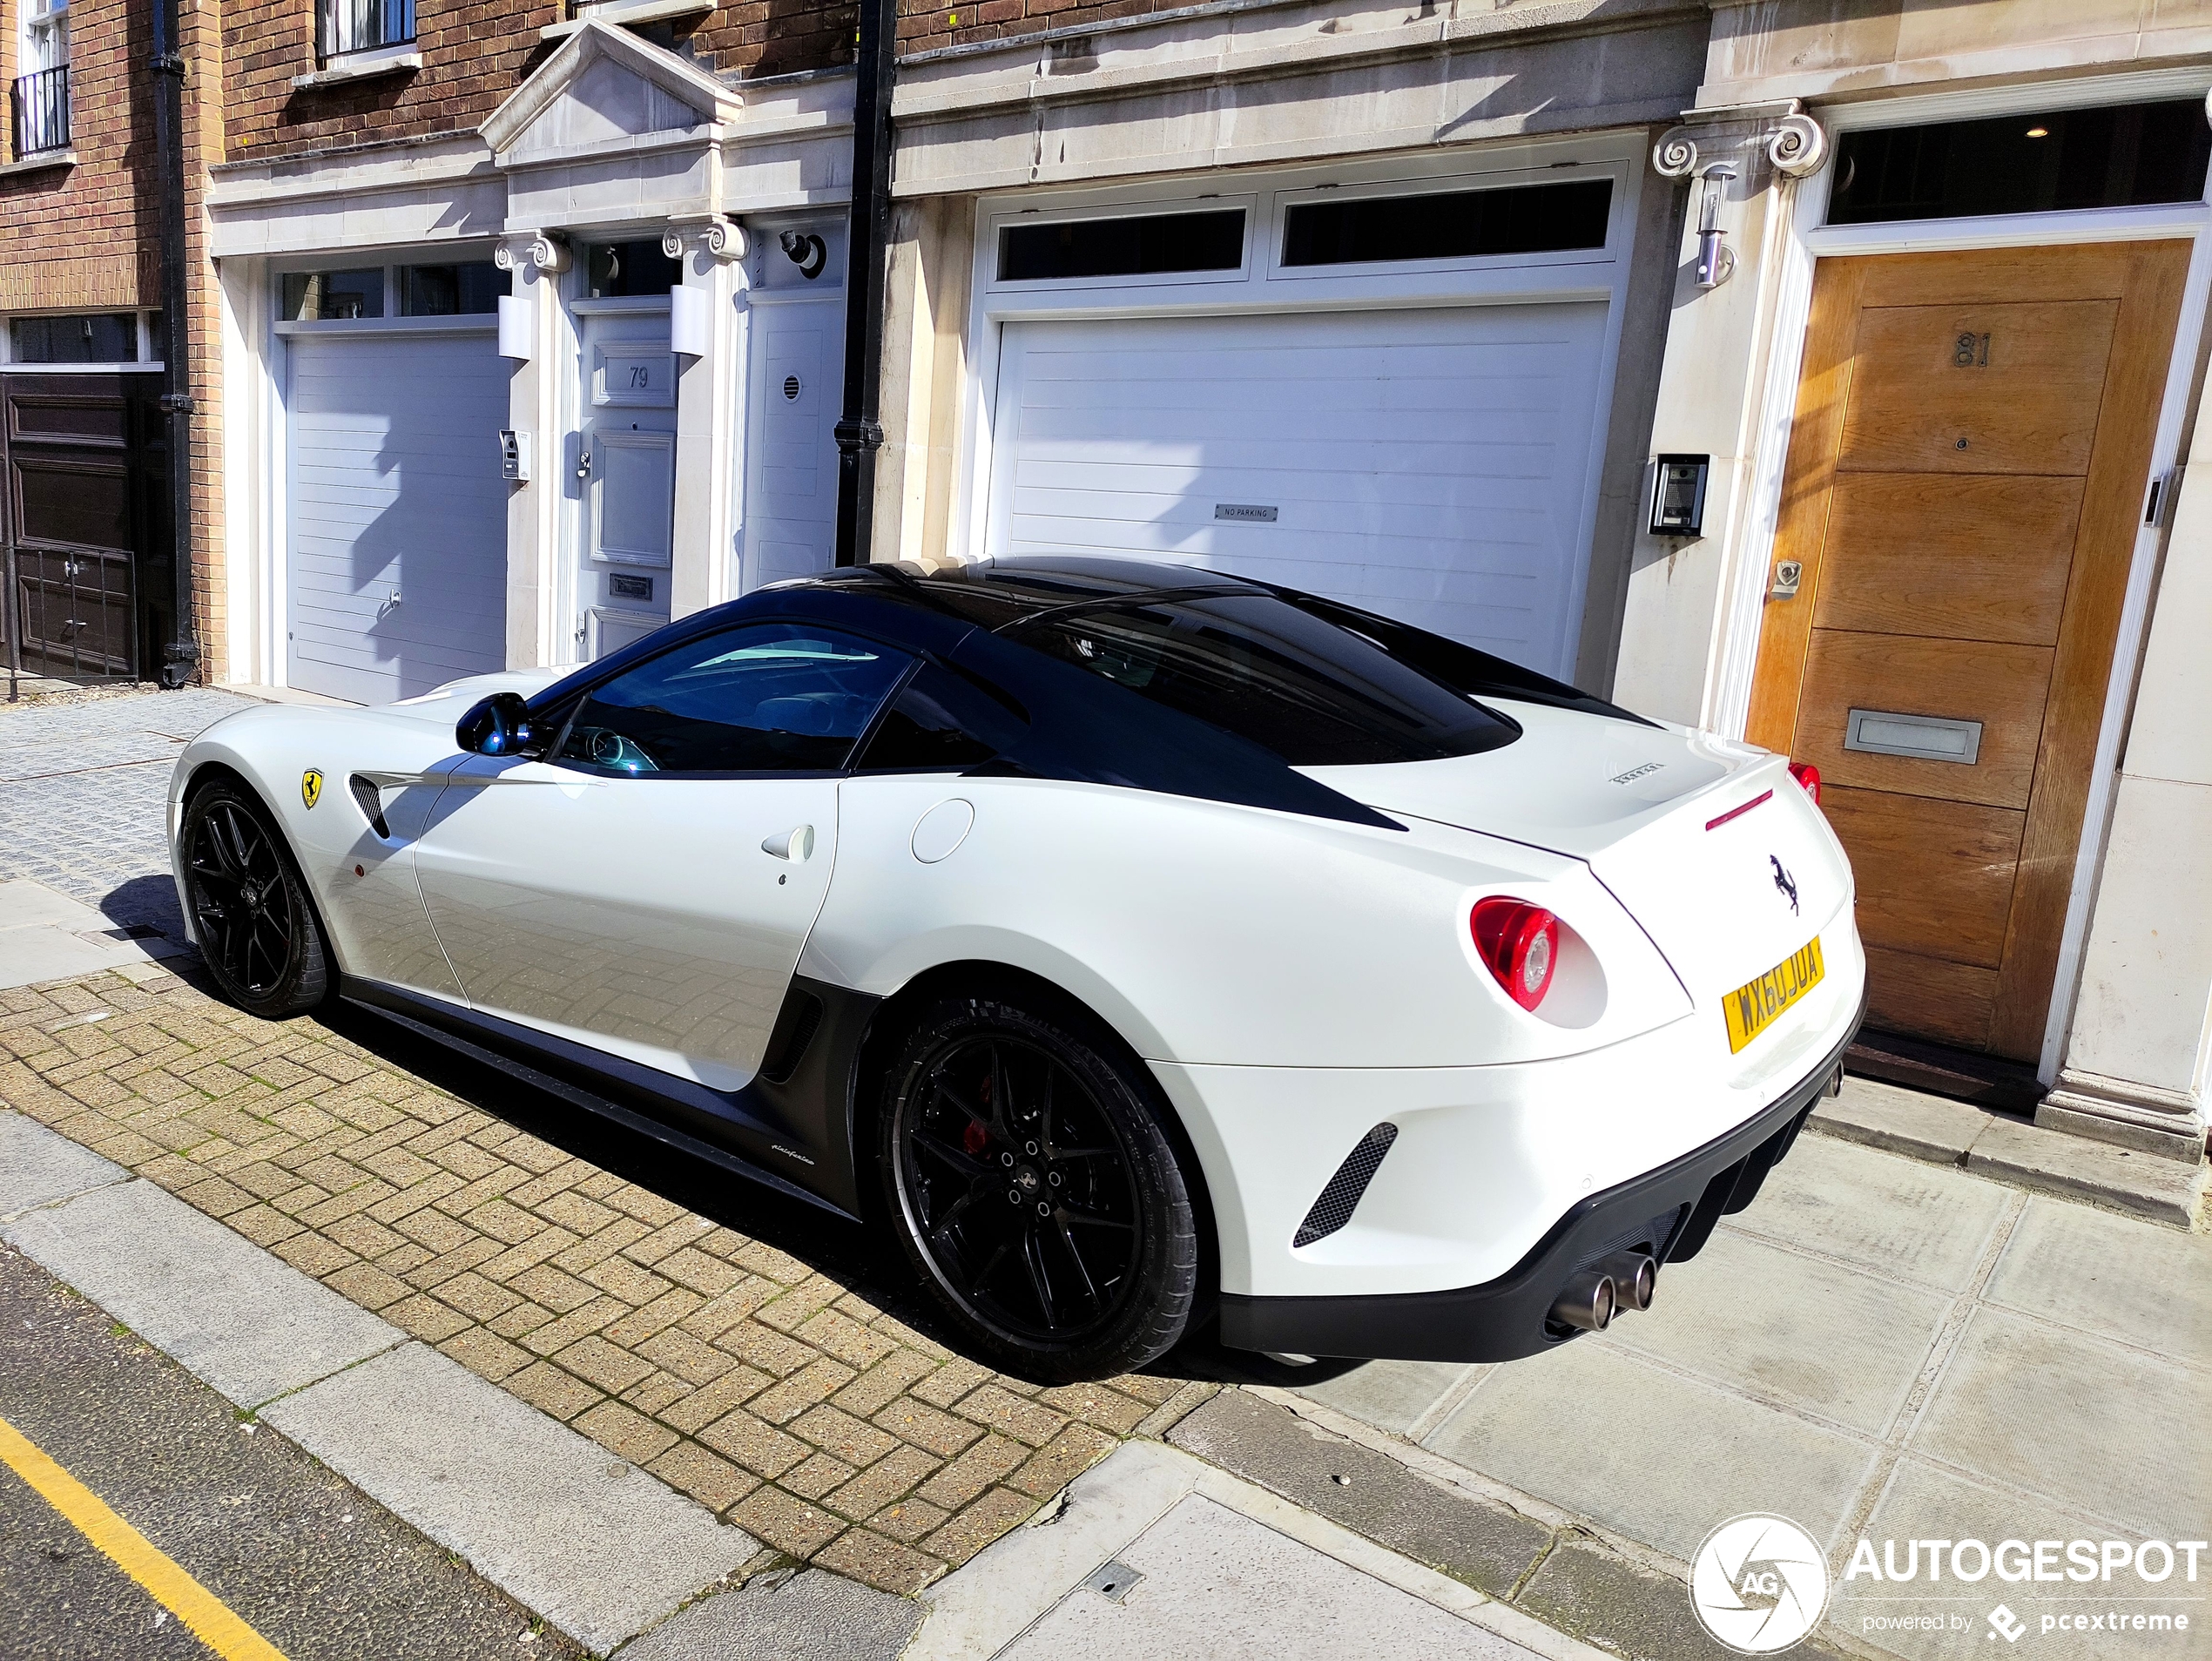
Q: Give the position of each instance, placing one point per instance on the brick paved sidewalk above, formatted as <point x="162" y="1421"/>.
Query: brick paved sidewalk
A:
<point x="779" y="1394"/>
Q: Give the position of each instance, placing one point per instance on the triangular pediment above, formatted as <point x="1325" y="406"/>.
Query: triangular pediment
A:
<point x="602" y="87"/>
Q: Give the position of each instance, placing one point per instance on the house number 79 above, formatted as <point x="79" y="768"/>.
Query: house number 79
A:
<point x="641" y="375"/>
<point x="1971" y="352"/>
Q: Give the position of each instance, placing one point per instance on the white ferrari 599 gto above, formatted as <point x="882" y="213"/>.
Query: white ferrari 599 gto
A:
<point x="1141" y="944"/>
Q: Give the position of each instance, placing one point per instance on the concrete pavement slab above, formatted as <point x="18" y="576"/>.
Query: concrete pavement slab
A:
<point x="1480" y="1542"/>
<point x="1219" y="1585"/>
<point x="25" y="904"/>
<point x="1922" y="1502"/>
<point x="1898" y="1120"/>
<point x="1586" y="1589"/>
<point x="807" y="1617"/>
<point x="1878" y="1211"/>
<point x="37" y="1167"/>
<point x="246" y="1323"/>
<point x="599" y="1547"/>
<point x="983" y="1607"/>
<point x="1791" y="1328"/>
<point x="2099" y="1427"/>
<point x="2143" y="1184"/>
<point x="1391" y="1394"/>
<point x="2107" y="1274"/>
<point x="1643" y="1449"/>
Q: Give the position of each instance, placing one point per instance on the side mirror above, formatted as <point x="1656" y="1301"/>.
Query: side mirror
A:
<point x="499" y="724"/>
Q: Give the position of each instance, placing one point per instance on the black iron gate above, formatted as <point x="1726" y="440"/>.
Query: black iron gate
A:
<point x="84" y="511"/>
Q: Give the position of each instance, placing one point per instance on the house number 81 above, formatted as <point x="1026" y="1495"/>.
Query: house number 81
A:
<point x="1970" y="352"/>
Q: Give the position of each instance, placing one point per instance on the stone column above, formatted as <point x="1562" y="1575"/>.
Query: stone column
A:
<point x="924" y="368"/>
<point x="710" y="401"/>
<point x="2138" y="1046"/>
<point x="536" y="635"/>
<point x="1713" y="397"/>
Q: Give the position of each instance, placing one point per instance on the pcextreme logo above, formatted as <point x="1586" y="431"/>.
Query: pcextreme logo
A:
<point x="1758" y="1583"/>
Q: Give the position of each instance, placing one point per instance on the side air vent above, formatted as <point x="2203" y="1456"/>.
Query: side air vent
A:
<point x="370" y="800"/>
<point x="1341" y="1197"/>
<point x="795" y="1025"/>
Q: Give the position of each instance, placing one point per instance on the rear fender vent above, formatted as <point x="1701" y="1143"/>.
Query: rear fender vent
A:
<point x="1341" y="1197"/>
<point x="794" y="1030"/>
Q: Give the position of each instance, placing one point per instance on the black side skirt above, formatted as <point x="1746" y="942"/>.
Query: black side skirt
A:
<point x="1669" y="1212"/>
<point x="792" y="1133"/>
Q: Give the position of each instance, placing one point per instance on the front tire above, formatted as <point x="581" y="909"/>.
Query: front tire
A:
<point x="257" y="928"/>
<point x="1033" y="1188"/>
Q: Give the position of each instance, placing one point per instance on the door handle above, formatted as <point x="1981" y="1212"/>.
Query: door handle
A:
<point x="584" y="464"/>
<point x="795" y="845"/>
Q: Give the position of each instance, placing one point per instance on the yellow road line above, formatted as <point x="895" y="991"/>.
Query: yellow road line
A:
<point x="209" y="1619"/>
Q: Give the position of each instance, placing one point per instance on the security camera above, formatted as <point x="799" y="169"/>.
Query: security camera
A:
<point x="805" y="251"/>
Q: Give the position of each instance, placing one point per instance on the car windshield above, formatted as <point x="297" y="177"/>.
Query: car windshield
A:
<point x="1314" y="693"/>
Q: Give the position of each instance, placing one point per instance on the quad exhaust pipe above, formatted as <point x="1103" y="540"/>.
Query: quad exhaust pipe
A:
<point x="1593" y="1296"/>
<point x="1635" y="1275"/>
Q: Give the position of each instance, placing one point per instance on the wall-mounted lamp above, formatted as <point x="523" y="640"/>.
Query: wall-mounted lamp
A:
<point x="1678" y="496"/>
<point x="805" y="251"/>
<point x="517" y="327"/>
<point x="690" y="322"/>
<point x="1715" y="260"/>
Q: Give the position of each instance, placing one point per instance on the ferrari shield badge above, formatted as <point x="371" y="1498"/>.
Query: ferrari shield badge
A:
<point x="311" y="786"/>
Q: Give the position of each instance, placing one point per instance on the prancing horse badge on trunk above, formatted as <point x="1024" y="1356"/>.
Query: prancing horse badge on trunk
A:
<point x="1783" y="881"/>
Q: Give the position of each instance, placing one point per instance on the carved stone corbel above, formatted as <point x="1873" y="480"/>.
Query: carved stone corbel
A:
<point x="725" y="239"/>
<point x="1799" y="147"/>
<point x="539" y="249"/>
<point x="1748" y="139"/>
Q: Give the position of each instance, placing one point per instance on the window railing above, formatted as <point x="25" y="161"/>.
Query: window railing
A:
<point x="41" y="112"/>
<point x="343" y="26"/>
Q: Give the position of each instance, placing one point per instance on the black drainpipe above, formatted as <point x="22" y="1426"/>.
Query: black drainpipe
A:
<point x="860" y="435"/>
<point x="180" y="655"/>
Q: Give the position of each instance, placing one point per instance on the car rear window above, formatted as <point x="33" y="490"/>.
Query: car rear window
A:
<point x="1314" y="693"/>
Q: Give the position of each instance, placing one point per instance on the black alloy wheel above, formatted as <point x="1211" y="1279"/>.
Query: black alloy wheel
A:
<point x="1032" y="1186"/>
<point x="258" y="932"/>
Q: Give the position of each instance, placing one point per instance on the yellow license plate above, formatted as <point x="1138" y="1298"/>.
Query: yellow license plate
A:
<point x="1756" y="1005"/>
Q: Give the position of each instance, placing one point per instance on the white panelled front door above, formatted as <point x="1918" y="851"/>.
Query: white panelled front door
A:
<point x="396" y="515"/>
<point x="1430" y="465"/>
<point x="626" y="468"/>
<point x="791" y="462"/>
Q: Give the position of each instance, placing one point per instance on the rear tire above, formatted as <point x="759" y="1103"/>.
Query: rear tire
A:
<point x="1032" y="1187"/>
<point x="257" y="928"/>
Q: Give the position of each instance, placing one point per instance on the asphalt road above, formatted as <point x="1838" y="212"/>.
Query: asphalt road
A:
<point x="312" y="1564"/>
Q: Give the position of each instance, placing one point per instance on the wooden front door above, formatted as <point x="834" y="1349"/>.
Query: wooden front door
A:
<point x="1966" y="482"/>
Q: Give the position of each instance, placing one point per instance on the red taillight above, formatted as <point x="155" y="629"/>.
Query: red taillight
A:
<point x="1808" y="777"/>
<point x="1520" y="944"/>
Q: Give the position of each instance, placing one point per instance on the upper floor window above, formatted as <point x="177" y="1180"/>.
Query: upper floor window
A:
<point x="346" y="26"/>
<point x="40" y="95"/>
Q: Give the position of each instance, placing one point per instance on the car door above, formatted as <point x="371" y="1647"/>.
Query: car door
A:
<point x="645" y="888"/>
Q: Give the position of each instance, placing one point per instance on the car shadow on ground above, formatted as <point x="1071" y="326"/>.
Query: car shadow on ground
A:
<point x="862" y="1257"/>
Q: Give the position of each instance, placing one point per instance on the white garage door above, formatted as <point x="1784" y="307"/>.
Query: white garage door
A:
<point x="395" y="515"/>
<point x="1430" y="465"/>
